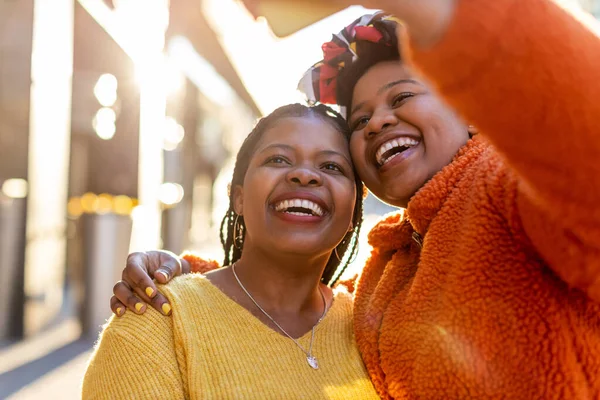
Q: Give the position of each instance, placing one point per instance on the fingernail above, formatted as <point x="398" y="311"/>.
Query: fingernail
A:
<point x="119" y="310"/>
<point x="163" y="273"/>
<point x="138" y="306"/>
<point x="166" y="308"/>
<point x="149" y="291"/>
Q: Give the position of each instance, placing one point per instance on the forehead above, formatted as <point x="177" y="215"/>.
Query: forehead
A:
<point x="306" y="132"/>
<point x="377" y="77"/>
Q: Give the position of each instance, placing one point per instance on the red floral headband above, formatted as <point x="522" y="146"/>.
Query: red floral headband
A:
<point x="319" y="83"/>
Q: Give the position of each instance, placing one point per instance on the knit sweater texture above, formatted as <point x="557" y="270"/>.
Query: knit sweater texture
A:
<point x="213" y="348"/>
<point x="502" y="299"/>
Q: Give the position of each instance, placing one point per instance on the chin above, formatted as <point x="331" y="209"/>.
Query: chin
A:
<point x="399" y="201"/>
<point x="397" y="196"/>
<point x="402" y="190"/>
<point x="301" y="247"/>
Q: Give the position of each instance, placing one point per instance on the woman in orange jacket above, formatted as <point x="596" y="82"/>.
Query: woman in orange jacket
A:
<point x="489" y="286"/>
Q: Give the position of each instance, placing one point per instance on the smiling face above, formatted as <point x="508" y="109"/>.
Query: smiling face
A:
<point x="402" y="133"/>
<point x="299" y="191"/>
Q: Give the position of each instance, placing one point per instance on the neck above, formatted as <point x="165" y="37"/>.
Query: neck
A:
<point x="286" y="283"/>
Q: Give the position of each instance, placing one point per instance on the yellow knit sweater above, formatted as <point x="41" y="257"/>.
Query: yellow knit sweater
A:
<point x="212" y="348"/>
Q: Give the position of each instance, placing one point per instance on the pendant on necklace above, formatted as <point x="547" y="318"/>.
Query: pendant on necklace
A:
<point x="312" y="361"/>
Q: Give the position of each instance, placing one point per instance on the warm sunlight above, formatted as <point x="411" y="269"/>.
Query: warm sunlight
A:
<point x="271" y="67"/>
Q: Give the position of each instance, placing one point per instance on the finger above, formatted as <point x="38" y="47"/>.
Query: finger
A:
<point x="169" y="268"/>
<point x="117" y="307"/>
<point x="125" y="295"/>
<point x="137" y="275"/>
<point x="157" y="301"/>
<point x="161" y="304"/>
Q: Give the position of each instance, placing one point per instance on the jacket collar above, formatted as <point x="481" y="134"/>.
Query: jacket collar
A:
<point x="428" y="201"/>
<point x="391" y="233"/>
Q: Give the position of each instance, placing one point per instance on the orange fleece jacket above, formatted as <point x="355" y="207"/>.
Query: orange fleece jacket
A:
<point x="503" y="298"/>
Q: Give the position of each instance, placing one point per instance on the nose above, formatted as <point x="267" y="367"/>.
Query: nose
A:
<point x="380" y="120"/>
<point x="304" y="176"/>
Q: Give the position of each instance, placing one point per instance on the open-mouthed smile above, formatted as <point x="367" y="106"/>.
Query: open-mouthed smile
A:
<point x="393" y="148"/>
<point x="301" y="207"/>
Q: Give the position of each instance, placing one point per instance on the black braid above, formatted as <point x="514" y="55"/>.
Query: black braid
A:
<point x="233" y="245"/>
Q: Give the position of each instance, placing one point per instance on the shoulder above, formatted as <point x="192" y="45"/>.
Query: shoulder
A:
<point x="148" y="336"/>
<point x="193" y="295"/>
<point x="137" y="328"/>
<point x="127" y="346"/>
<point x="342" y="299"/>
<point x="186" y="287"/>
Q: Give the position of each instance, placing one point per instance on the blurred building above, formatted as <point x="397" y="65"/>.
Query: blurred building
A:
<point x="115" y="118"/>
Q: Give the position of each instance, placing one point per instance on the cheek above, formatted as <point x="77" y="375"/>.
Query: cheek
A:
<point x="443" y="131"/>
<point x="366" y="170"/>
<point x="357" y="153"/>
<point x="345" y="198"/>
<point x="257" y="184"/>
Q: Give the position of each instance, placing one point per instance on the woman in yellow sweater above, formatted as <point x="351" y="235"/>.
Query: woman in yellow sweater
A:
<point x="267" y="325"/>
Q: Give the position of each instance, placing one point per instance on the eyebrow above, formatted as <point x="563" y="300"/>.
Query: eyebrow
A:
<point x="290" y="148"/>
<point x="383" y="89"/>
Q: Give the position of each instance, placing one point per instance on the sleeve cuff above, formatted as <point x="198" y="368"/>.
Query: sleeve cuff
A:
<point x="198" y="264"/>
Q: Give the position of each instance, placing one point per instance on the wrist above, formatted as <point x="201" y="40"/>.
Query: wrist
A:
<point x="197" y="264"/>
<point x="185" y="266"/>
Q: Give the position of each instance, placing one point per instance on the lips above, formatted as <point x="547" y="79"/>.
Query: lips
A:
<point x="302" y="204"/>
<point x="299" y="207"/>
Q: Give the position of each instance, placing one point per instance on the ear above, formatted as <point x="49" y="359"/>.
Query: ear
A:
<point x="238" y="199"/>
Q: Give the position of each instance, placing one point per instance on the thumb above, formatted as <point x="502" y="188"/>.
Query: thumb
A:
<point x="170" y="267"/>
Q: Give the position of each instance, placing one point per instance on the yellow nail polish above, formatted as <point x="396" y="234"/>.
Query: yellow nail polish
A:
<point x="166" y="309"/>
<point x="149" y="291"/>
<point x="119" y="310"/>
<point x="138" y="306"/>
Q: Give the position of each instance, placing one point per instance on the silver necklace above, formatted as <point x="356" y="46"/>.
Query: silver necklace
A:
<point x="312" y="360"/>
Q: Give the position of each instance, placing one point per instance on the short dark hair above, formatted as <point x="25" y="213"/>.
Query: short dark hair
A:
<point x="232" y="241"/>
<point x="369" y="55"/>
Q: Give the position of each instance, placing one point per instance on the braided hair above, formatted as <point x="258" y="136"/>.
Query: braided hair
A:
<point x="233" y="228"/>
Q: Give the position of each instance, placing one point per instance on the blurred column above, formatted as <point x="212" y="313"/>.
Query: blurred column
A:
<point x="12" y="242"/>
<point x="50" y="119"/>
<point x="16" y="26"/>
<point x="106" y="242"/>
<point x="153" y="18"/>
<point x="181" y="158"/>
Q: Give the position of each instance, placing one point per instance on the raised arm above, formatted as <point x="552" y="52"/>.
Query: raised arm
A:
<point x="121" y="366"/>
<point x="526" y="73"/>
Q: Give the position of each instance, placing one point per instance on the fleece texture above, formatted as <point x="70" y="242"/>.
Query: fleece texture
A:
<point x="501" y="298"/>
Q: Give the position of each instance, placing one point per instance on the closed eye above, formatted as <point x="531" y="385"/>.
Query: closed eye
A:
<point x="400" y="98"/>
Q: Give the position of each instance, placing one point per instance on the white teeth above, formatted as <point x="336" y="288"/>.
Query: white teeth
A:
<point x="387" y="146"/>
<point x="285" y="205"/>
